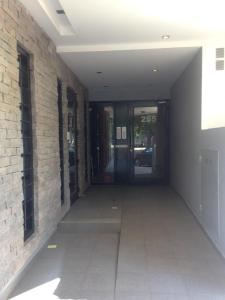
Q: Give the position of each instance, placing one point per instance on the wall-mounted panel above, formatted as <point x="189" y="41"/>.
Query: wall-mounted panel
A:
<point x="210" y="191"/>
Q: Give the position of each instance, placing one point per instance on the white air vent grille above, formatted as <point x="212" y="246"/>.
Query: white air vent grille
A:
<point x="60" y="12"/>
<point x="219" y="59"/>
<point x="219" y="52"/>
<point x="220" y="65"/>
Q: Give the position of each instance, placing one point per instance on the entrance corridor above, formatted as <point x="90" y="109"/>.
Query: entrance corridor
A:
<point x="126" y="242"/>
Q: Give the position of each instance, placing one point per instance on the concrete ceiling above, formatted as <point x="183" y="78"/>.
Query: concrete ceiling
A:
<point x="123" y="40"/>
<point x="130" y="70"/>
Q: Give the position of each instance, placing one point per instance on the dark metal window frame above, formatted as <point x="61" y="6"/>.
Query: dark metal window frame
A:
<point x="85" y="139"/>
<point x="61" y="140"/>
<point x="27" y="138"/>
<point x="74" y="186"/>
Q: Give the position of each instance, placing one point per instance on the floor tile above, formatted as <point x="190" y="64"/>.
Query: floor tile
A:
<point x="161" y="252"/>
<point x="93" y="295"/>
<point x="131" y="282"/>
<point x="132" y="296"/>
<point x="169" y="297"/>
<point x="206" y="297"/>
<point x="99" y="282"/>
<point x="170" y="283"/>
<point x="205" y="283"/>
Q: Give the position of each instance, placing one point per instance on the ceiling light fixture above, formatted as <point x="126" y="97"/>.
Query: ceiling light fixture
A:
<point x="99" y="72"/>
<point x="165" y="36"/>
<point x="154" y="70"/>
<point x="60" y="12"/>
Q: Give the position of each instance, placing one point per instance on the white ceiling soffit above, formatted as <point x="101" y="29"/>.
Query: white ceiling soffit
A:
<point x="117" y="24"/>
<point x="56" y="15"/>
<point x="123" y="40"/>
<point x="105" y="25"/>
<point x="56" y="25"/>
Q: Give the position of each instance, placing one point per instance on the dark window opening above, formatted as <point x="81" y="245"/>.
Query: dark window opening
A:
<point x="85" y="141"/>
<point x="61" y="152"/>
<point x="26" y="129"/>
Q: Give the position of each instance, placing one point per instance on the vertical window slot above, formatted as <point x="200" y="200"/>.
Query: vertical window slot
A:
<point x="61" y="151"/>
<point x="27" y="153"/>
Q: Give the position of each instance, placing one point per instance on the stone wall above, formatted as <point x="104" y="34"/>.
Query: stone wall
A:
<point x="17" y="26"/>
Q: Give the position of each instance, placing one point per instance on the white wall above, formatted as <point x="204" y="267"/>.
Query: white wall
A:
<point x="196" y="152"/>
<point x="213" y="91"/>
<point x="213" y="138"/>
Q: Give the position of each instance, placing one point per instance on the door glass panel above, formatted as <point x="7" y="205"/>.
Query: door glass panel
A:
<point x="102" y="132"/>
<point x="144" y="141"/>
<point x="129" y="143"/>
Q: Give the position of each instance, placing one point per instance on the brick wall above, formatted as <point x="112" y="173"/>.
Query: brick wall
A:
<point x="16" y="25"/>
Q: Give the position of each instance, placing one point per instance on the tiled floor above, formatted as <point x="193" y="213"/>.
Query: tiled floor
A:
<point x="161" y="252"/>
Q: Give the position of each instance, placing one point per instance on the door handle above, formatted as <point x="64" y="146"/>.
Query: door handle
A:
<point x="121" y="146"/>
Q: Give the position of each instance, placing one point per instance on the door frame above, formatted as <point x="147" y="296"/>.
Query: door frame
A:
<point x="145" y="181"/>
<point x="131" y="104"/>
<point x="70" y="92"/>
<point x="93" y="128"/>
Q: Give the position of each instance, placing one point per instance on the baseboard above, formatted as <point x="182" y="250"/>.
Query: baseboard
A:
<point x="8" y="289"/>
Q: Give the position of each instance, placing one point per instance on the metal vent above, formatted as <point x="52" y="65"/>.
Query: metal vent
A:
<point x="220" y="65"/>
<point x="219" y="52"/>
<point x="60" y="12"/>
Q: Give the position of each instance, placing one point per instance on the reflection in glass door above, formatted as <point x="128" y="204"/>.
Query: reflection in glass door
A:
<point x="102" y="146"/>
<point x="144" y="130"/>
<point x="129" y="142"/>
<point x="72" y="145"/>
<point x="148" y="142"/>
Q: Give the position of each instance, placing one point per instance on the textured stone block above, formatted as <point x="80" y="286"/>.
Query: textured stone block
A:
<point x="16" y="25"/>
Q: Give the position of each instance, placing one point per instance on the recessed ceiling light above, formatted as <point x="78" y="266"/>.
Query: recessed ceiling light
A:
<point x="60" y="12"/>
<point x="155" y="70"/>
<point x="99" y="72"/>
<point x="165" y="36"/>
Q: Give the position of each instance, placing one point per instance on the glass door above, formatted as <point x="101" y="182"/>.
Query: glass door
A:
<point x="149" y="146"/>
<point x="129" y="142"/>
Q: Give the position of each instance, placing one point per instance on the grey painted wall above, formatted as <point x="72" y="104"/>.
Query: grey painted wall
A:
<point x="197" y="156"/>
<point x="215" y="139"/>
<point x="186" y="134"/>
